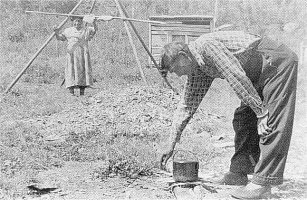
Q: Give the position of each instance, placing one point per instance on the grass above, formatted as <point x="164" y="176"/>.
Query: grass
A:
<point x="24" y="153"/>
<point x="29" y="100"/>
<point x="22" y="156"/>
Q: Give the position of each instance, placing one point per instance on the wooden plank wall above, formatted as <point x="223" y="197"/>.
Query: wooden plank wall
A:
<point x="161" y="34"/>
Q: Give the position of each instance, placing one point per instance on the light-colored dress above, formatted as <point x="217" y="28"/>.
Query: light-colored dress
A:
<point x="78" y="70"/>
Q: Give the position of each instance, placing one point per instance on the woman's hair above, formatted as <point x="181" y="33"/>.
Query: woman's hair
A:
<point x="169" y="53"/>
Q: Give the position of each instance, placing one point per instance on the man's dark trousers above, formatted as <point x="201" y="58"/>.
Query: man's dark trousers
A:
<point x="266" y="156"/>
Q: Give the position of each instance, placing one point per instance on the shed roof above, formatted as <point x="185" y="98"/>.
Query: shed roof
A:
<point x="182" y="18"/>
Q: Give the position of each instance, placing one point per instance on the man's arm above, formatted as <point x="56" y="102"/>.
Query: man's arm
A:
<point x="196" y="88"/>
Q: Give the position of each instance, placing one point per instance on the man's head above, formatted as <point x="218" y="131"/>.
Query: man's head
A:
<point x="77" y="22"/>
<point x="176" y="57"/>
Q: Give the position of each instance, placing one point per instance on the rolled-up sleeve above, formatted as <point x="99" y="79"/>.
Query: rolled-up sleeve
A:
<point x="229" y="66"/>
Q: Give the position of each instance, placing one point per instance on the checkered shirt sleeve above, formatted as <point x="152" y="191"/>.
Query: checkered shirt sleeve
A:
<point x="195" y="89"/>
<point x="229" y="67"/>
<point x="215" y="53"/>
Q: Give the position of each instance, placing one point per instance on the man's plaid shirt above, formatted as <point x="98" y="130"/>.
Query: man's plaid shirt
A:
<point x="219" y="55"/>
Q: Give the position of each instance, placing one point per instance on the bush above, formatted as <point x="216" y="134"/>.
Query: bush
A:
<point x="132" y="156"/>
<point x="128" y="155"/>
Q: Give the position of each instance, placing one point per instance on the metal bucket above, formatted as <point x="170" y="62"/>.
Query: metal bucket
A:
<point x="185" y="170"/>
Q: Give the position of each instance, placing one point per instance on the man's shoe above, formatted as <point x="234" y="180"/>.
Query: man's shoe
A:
<point x="231" y="178"/>
<point x="247" y="193"/>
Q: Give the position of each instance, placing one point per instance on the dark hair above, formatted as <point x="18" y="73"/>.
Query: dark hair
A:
<point x="169" y="53"/>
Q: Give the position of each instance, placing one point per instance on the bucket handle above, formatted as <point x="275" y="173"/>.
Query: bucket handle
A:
<point x="185" y="152"/>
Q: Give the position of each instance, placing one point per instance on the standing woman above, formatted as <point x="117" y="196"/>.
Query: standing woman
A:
<point x="78" y="70"/>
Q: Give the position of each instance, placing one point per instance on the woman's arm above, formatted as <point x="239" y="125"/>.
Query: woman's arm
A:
<point x="95" y="25"/>
<point x="59" y="36"/>
<point x="92" y="30"/>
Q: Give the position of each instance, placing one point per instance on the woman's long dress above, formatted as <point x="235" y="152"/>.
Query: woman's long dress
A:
<point x="78" y="70"/>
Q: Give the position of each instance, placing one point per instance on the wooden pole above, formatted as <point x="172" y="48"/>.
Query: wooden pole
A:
<point x="38" y="52"/>
<point x="144" y="45"/>
<point x="57" y="48"/>
<point x="120" y="9"/>
<point x="215" y="13"/>
<point x="92" y="6"/>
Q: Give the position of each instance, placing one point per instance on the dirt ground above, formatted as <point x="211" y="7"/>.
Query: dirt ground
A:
<point x="77" y="181"/>
<point x="81" y="180"/>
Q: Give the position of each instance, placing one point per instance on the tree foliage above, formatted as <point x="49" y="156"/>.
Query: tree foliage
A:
<point x="264" y="17"/>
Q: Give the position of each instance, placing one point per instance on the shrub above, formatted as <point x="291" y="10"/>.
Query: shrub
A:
<point x="132" y="156"/>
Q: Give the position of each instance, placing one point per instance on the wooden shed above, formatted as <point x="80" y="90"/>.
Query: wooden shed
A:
<point x="186" y="29"/>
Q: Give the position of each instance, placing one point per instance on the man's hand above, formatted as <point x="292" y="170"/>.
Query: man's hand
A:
<point x="262" y="126"/>
<point x="56" y="30"/>
<point x="166" y="156"/>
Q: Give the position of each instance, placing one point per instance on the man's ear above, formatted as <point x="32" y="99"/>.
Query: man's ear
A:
<point x="185" y="54"/>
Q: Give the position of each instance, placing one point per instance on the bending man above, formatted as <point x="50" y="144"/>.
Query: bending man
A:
<point x="263" y="122"/>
